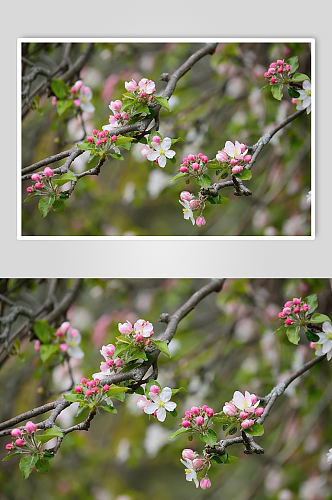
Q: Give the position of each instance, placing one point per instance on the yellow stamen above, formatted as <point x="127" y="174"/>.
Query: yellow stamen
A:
<point x="161" y="151"/>
<point x="308" y="92"/>
<point x="329" y="335"/>
<point x="161" y="403"/>
<point x="187" y="471"/>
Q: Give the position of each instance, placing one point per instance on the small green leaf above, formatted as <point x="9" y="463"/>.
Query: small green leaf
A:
<point x="256" y="430"/>
<point x="293" y="62"/>
<point x="138" y="355"/>
<point x="42" y="466"/>
<point x="63" y="179"/>
<point x="62" y="106"/>
<point x="281" y="328"/>
<point x="204" y="181"/>
<point x="116" y="156"/>
<point x="232" y="430"/>
<point x="73" y="397"/>
<point x="47" y="350"/>
<point x="311" y="336"/>
<point x="115" y="389"/>
<point x="59" y="206"/>
<point x="26" y="464"/>
<point x="221" y="420"/>
<point x="43" y="331"/>
<point x="319" y="318"/>
<point x="120" y="349"/>
<point x="59" y="88"/>
<point x="293" y="93"/>
<point x="178" y="176"/>
<point x="122" y="140"/>
<point x="163" y="102"/>
<point x="292" y="333"/>
<point x="49" y="434"/>
<point x="244" y="175"/>
<point x="162" y="346"/>
<point x="300" y="77"/>
<point x="180" y="389"/>
<point x="11" y="455"/>
<point x="209" y="437"/>
<point x="277" y="91"/>
<point x="179" y="139"/>
<point x="312" y="302"/>
<point x="28" y="198"/>
<point x="265" y="86"/>
<point x="108" y="408"/>
<point x="86" y="146"/>
<point x="44" y="205"/>
<point x="179" y="432"/>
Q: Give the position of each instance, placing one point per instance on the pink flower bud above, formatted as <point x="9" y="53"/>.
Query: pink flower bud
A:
<point x="73" y="90"/>
<point x="197" y="463"/>
<point x="237" y="169"/>
<point x="19" y="442"/>
<point x="312" y="345"/>
<point x="78" y="389"/>
<point x="65" y="327"/>
<point x="30" y="427"/>
<point x="84" y="381"/>
<point x="280" y="62"/>
<point x="243" y="414"/>
<point x="305" y="307"/>
<point x="99" y="142"/>
<point x="9" y="446"/>
<point x="185" y="424"/>
<point x="297" y="309"/>
<point x="185" y="161"/>
<point x="294" y="100"/>
<point x="254" y="399"/>
<point x="94" y="390"/>
<point x="296" y="301"/>
<point x="183" y="169"/>
<point x="289" y="303"/>
<point x="199" y="420"/>
<point x="209" y="412"/>
<point x="77" y="102"/>
<point x="200" y="221"/>
<point x="104" y="139"/>
<point x="247" y="423"/>
<point x="16" y="433"/>
<point x="156" y="139"/>
<point x="229" y="409"/>
<point x="63" y="347"/>
<point x="187" y="414"/>
<point x="37" y="345"/>
<point x="271" y="71"/>
<point x="286" y="311"/>
<point x="205" y="483"/>
<point x="273" y="80"/>
<point x="139" y="337"/>
<point x="142" y="93"/>
<point x="142" y="402"/>
<point x="259" y="411"/>
<point x="97" y="381"/>
<point x="273" y="65"/>
<point x="154" y="389"/>
<point x="106" y="387"/>
<point x="101" y="134"/>
<point x="247" y="158"/>
<point x="88" y="393"/>
<point x="234" y="161"/>
<point x="109" y="350"/>
<point x="116" y="105"/>
<point x="95" y="131"/>
<point x="281" y="315"/>
<point x="29" y="189"/>
<point x="114" y="137"/>
<point x="288" y="321"/>
<point x="287" y="67"/>
<point x="118" y="362"/>
<point x="117" y="116"/>
<point x="280" y="70"/>
<point x="195" y="166"/>
<point x="131" y="86"/>
<point x="194" y="204"/>
<point x="91" y="383"/>
<point x="35" y="177"/>
<point x="221" y="156"/>
<point x="147" y="341"/>
<point x="266" y="74"/>
<point x="204" y="159"/>
<point x="188" y="453"/>
<point x="125" y="115"/>
<point x="54" y="100"/>
<point x="125" y="328"/>
<point x="243" y="147"/>
<point x="39" y="185"/>
<point x="185" y="196"/>
<point x="191" y="157"/>
<point x="78" y="85"/>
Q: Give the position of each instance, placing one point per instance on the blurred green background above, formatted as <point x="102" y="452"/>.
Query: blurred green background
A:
<point x="218" y="100"/>
<point x="225" y="344"/>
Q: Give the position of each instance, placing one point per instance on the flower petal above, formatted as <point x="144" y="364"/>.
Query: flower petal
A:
<point x="161" y="414"/>
<point x="75" y="352"/>
<point x="166" y="394"/>
<point x="170" y="153"/>
<point x="238" y="400"/>
<point x="87" y="106"/>
<point x="162" y="161"/>
<point x="170" y="406"/>
<point x="166" y="143"/>
<point x="151" y="408"/>
<point x="153" y="156"/>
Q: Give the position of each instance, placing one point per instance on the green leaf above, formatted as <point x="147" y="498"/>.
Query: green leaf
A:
<point x="179" y="139"/>
<point x="178" y="176"/>
<point x="256" y="430"/>
<point x="126" y="104"/>
<point x="49" y="434"/>
<point x="122" y="140"/>
<point x="281" y="328"/>
<point x="26" y="464"/>
<point x="319" y="318"/>
<point x="180" y="389"/>
<point x="209" y="437"/>
<point x="42" y="466"/>
<point x="28" y="198"/>
<point x="244" y="175"/>
<point x="116" y="156"/>
<point x="311" y="336"/>
<point x="44" y="205"/>
<point x="232" y="430"/>
<point x="10" y="455"/>
<point x="231" y="459"/>
<point x="59" y="88"/>
<point x="47" y="350"/>
<point x="120" y="349"/>
<point x="59" y="206"/>
<point x="163" y="102"/>
<point x="213" y="164"/>
<point x="216" y="458"/>
<point x="221" y="420"/>
<point x="265" y="86"/>
<point x="312" y="302"/>
<point x="62" y="106"/>
<point x="108" y="408"/>
<point x="293" y="93"/>
<point x="294" y="63"/>
<point x="300" y="77"/>
<point x="115" y="389"/>
<point x="179" y="432"/>
<point x="86" y="146"/>
<point x="292" y="333"/>
<point x="43" y="331"/>
<point x="277" y="91"/>
<point x="73" y="397"/>
<point x="162" y="346"/>
<point x="138" y="355"/>
<point x="63" y="179"/>
<point x="48" y="455"/>
<point x="204" y="181"/>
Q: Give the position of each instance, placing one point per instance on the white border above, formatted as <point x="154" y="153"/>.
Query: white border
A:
<point x="165" y="40"/>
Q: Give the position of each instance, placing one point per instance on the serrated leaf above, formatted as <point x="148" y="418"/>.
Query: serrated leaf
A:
<point x="86" y="146"/>
<point x="73" y="397"/>
<point x="42" y="466"/>
<point x="244" y="175"/>
<point x="63" y="179"/>
<point x="47" y="350"/>
<point x="163" y="102"/>
<point x="115" y="389"/>
<point x="59" y="206"/>
<point x="44" y="206"/>
<point x="49" y="434"/>
<point x="179" y="432"/>
<point x="26" y="464"/>
<point x="178" y="176"/>
<point x="43" y="331"/>
<point x="256" y="430"/>
<point x="209" y="437"/>
<point x="59" y="88"/>
<point x="293" y="62"/>
<point x="312" y="302"/>
<point x="311" y="336"/>
<point x="319" y="318"/>
<point x="108" y="408"/>
<point x="300" y="77"/>
<point x="122" y="140"/>
<point x="276" y="91"/>
<point x="162" y="346"/>
<point x="204" y="181"/>
<point x="292" y="333"/>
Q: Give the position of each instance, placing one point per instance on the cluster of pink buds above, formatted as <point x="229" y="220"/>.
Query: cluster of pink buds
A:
<point x="41" y="180"/>
<point x="195" y="165"/>
<point x="198" y="418"/>
<point x="81" y="96"/>
<point x="244" y="408"/>
<point x="92" y="390"/>
<point x="140" y="332"/>
<point x="100" y="138"/>
<point x="112" y="363"/>
<point x="234" y="156"/>
<point x="294" y="312"/>
<point x="278" y="72"/>
<point x="23" y="441"/>
<point x="117" y="119"/>
<point x="144" y="89"/>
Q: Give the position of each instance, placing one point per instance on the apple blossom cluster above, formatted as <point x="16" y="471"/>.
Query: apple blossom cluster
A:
<point x="160" y="150"/>
<point x="79" y="96"/>
<point x="111" y="363"/>
<point x="22" y="439"/>
<point x="117" y="119"/>
<point x="234" y="156"/>
<point x="65" y="341"/>
<point x="42" y="182"/>
<point x="243" y="409"/>
<point x="295" y="312"/>
<point x="193" y="204"/>
<point x="278" y="72"/>
<point x="157" y="402"/>
<point x="91" y="393"/>
<point x="194" y="165"/>
<point x="103" y="142"/>
<point x="198" y="419"/>
<point x="194" y="464"/>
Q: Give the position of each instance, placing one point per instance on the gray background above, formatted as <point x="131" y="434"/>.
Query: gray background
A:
<point x="180" y="18"/>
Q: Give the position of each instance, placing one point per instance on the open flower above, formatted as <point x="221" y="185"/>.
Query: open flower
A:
<point x="143" y="327"/>
<point x="85" y="98"/>
<point x="236" y="150"/>
<point x="244" y="402"/>
<point x="73" y="340"/>
<point x="160" y="403"/>
<point x="325" y="339"/>
<point x="162" y="152"/>
<point x="147" y="86"/>
<point x="305" y="97"/>
<point x="190" y="471"/>
<point x="187" y="212"/>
